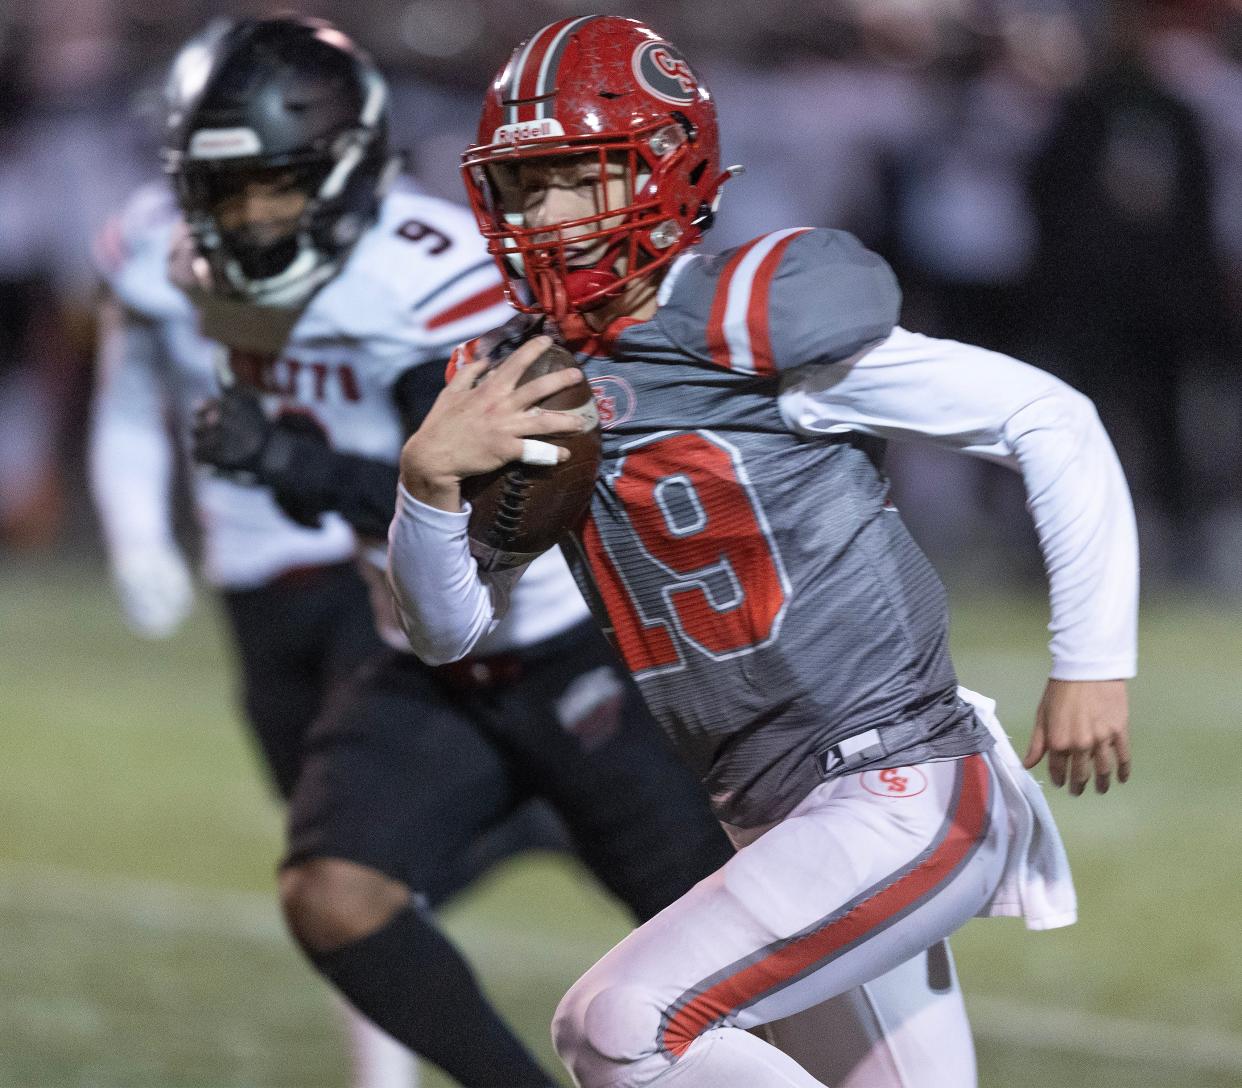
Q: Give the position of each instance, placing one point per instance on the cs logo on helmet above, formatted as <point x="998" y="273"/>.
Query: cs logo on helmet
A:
<point x="663" y="71"/>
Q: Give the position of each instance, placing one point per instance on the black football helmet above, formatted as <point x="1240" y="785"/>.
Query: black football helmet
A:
<point x="291" y="103"/>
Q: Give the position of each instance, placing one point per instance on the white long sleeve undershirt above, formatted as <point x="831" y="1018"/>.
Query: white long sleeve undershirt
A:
<point x="444" y="606"/>
<point x="908" y="387"/>
<point x="988" y="405"/>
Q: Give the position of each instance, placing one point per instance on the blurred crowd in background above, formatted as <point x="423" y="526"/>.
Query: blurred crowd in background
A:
<point x="1060" y="180"/>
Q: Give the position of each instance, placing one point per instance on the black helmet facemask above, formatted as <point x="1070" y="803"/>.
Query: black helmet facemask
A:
<point x="265" y="243"/>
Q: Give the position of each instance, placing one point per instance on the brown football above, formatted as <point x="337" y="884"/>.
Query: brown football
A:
<point x="520" y="510"/>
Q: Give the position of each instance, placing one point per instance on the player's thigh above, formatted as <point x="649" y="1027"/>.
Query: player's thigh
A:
<point x="584" y="740"/>
<point x="313" y="622"/>
<point x="397" y="777"/>
<point x="848" y="887"/>
<point x="280" y="708"/>
<point x="346" y="621"/>
<point x="533" y="825"/>
<point x="281" y="689"/>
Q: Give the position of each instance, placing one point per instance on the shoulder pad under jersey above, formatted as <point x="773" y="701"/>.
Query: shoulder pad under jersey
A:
<point x="782" y="300"/>
<point x="419" y="281"/>
<point x="131" y="254"/>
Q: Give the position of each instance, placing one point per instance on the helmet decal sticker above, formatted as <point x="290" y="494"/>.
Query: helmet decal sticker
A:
<point x="663" y="72"/>
<point x="528" y="130"/>
<point x="531" y="78"/>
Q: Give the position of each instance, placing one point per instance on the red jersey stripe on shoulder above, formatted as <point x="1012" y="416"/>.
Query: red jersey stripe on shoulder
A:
<point x="758" y="310"/>
<point x="717" y="344"/>
<point x="967" y="826"/>
<point x="735" y="309"/>
<point x="476" y="303"/>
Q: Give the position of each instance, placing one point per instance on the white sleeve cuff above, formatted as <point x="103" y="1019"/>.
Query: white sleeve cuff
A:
<point x="447" y="521"/>
<point x="1121" y="668"/>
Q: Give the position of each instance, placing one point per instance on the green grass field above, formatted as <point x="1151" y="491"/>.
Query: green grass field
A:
<point x="140" y="945"/>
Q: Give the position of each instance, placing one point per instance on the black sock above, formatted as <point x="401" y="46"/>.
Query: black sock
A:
<point x="413" y="983"/>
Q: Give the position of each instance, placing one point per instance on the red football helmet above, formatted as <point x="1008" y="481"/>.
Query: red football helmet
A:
<point x="613" y="89"/>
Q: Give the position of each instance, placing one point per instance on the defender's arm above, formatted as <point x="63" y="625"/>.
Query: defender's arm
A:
<point x="131" y="456"/>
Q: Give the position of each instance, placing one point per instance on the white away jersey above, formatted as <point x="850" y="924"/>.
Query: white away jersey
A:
<point x="417" y="283"/>
<point x="247" y="540"/>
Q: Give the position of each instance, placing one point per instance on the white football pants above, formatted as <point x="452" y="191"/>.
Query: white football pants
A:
<point x="906" y="1029"/>
<point x="865" y="875"/>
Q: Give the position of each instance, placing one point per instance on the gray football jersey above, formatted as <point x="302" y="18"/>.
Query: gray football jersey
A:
<point x="781" y="622"/>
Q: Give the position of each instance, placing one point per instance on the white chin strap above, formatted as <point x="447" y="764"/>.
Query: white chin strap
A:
<point x="305" y="274"/>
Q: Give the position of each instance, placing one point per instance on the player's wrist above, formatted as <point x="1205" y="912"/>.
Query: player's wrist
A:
<point x="428" y="482"/>
<point x="443" y="494"/>
<point x="232" y="433"/>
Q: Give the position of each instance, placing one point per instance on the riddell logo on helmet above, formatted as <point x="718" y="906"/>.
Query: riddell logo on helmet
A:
<point x="663" y="71"/>
<point x="527" y="130"/>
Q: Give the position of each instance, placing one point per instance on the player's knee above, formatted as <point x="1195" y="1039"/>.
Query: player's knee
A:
<point x="609" y="1034"/>
<point x="330" y="902"/>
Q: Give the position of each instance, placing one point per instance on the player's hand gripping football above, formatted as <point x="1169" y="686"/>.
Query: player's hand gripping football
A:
<point x="1083" y="726"/>
<point x="475" y="428"/>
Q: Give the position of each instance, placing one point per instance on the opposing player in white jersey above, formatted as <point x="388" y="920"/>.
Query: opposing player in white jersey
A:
<point x="784" y="628"/>
<point x="338" y="298"/>
<point x="297" y="608"/>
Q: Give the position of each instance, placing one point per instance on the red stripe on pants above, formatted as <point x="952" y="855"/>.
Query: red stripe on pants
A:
<point x="967" y="825"/>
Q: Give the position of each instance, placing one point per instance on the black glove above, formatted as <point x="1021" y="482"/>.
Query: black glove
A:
<point x="292" y="456"/>
<point x="296" y="463"/>
<point x="232" y="432"/>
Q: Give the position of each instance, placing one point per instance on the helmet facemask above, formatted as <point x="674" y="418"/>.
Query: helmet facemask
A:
<point x="273" y="232"/>
<point x="579" y="264"/>
<point x="254" y="219"/>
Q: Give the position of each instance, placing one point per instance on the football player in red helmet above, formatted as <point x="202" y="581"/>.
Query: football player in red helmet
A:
<point x="334" y="295"/>
<point x="605" y="114"/>
<point x="783" y="626"/>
